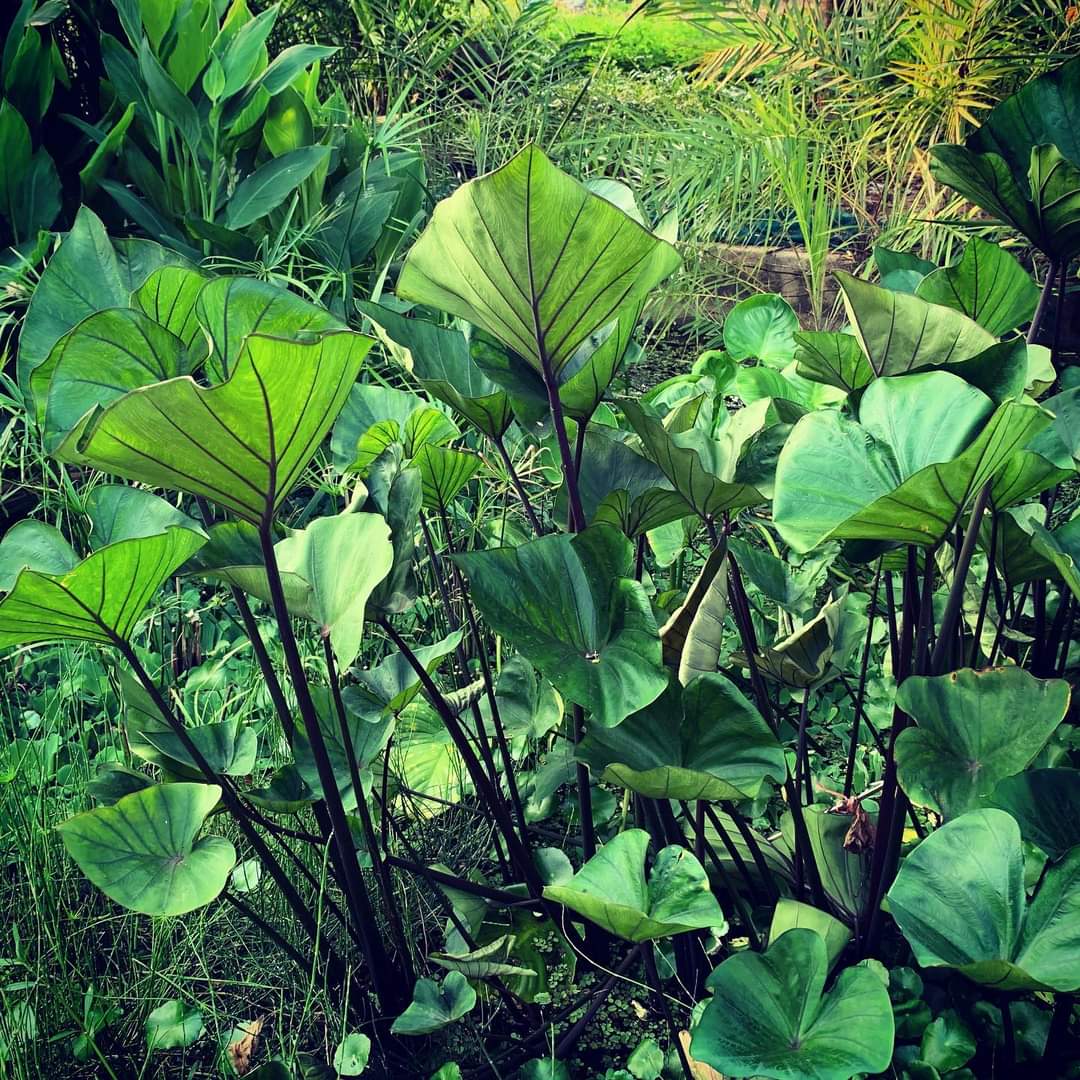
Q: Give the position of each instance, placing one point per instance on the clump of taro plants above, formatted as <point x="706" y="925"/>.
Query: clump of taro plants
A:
<point x="793" y="629"/>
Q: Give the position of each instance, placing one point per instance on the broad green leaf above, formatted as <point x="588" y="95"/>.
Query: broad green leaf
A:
<point x="440" y="359"/>
<point x="620" y="487"/>
<point x="368" y="733"/>
<point x="802" y="658"/>
<point x="700" y="467"/>
<point x="169" y="297"/>
<point x="119" y="513"/>
<point x="143" y="853"/>
<point x="566" y="603"/>
<point x="397" y="493"/>
<point x="923" y="448"/>
<point x="791" y="586"/>
<point x="33" y="545"/>
<point x="901" y="333"/>
<point x="269" y="185"/>
<point x="99" y="599"/>
<point x="832" y="358"/>
<point x="173" y="1026"/>
<point x="375" y="417"/>
<point x="393" y="682"/>
<point x="490" y="959"/>
<point x="1046" y="805"/>
<point x="443" y="473"/>
<point x="987" y="285"/>
<point x="790" y="914"/>
<point x="947" y="1043"/>
<point x="1055" y="188"/>
<point x="351" y="1056"/>
<point x="761" y="327"/>
<point x="433" y="1006"/>
<point x="342" y="558"/>
<point x="231" y="309"/>
<point x="611" y="890"/>
<point x="528" y="706"/>
<point x="81" y="278"/>
<point x="107" y="355"/>
<point x="242" y="444"/>
<point x="704" y="741"/>
<point x="228" y="746"/>
<point x="286" y="793"/>
<point x="770" y="1017"/>
<point x="967" y="737"/>
<point x="534" y="258"/>
<point x="424" y="756"/>
<point x="900" y="270"/>
<point x="959" y="899"/>
<point x="693" y="637"/>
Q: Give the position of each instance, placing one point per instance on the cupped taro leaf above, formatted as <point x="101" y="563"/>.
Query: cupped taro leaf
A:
<point x="441" y="360"/>
<point x="901" y="333"/>
<point x="761" y="327"/>
<point x="1023" y="164"/>
<point x="82" y="277"/>
<point x="528" y="706"/>
<point x="1046" y="806"/>
<point x="368" y="733"/>
<point x="611" y="891"/>
<point x="37" y="546"/>
<point x="142" y="852"/>
<point x="901" y="270"/>
<point x="433" y="1007"/>
<point x="396" y="489"/>
<point x="694" y="635"/>
<point x="231" y="309"/>
<point x="173" y="1025"/>
<point x="536" y="259"/>
<point x="620" y="487"/>
<point x="566" y="603"/>
<point x="444" y="471"/>
<point x="698" y="465"/>
<point x="790" y="914"/>
<point x="987" y="285"/>
<point x="243" y="443"/>
<point x="104" y="357"/>
<point x="959" y="899"/>
<point x="118" y="512"/>
<point x="393" y="682"/>
<point x="769" y="1015"/>
<point x="1061" y="549"/>
<point x="967" y="737"/>
<point x="804" y="658"/>
<point x="704" y="741"/>
<point x="98" y="599"/>
<point x="423" y="756"/>
<point x="229" y="746"/>
<point x="343" y="559"/>
<point x="832" y="358"/>
<point x="376" y="417"/>
<point x="169" y="297"/>
<point x="923" y="447"/>
<point x="287" y="792"/>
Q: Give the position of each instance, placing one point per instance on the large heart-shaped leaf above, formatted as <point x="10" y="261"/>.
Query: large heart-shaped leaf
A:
<point x="243" y="443"/>
<point x="107" y="355"/>
<point x="901" y="333"/>
<point x="769" y="1015"/>
<point x="959" y="899"/>
<point x="967" y="737"/>
<point x="81" y="278"/>
<point x="534" y="258"/>
<point x="611" y="890"/>
<point x="620" y="487"/>
<point x="833" y="358"/>
<point x="1046" y="805"/>
<point x="342" y="558"/>
<point x="440" y="358"/>
<point x="923" y="447"/>
<point x="142" y="852"/>
<point x="231" y="309"/>
<point x="698" y="465"/>
<point x="987" y="285"/>
<point x="567" y="604"/>
<point x="1023" y="164"/>
<point x="433" y="1007"/>
<point x="98" y="599"/>
<point x="702" y="742"/>
<point x="761" y="327"/>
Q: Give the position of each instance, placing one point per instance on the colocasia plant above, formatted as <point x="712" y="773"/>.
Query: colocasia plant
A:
<point x="794" y="629"/>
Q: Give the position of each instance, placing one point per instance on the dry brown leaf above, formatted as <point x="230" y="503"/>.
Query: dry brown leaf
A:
<point x="698" y="1069"/>
<point x="245" y="1041"/>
